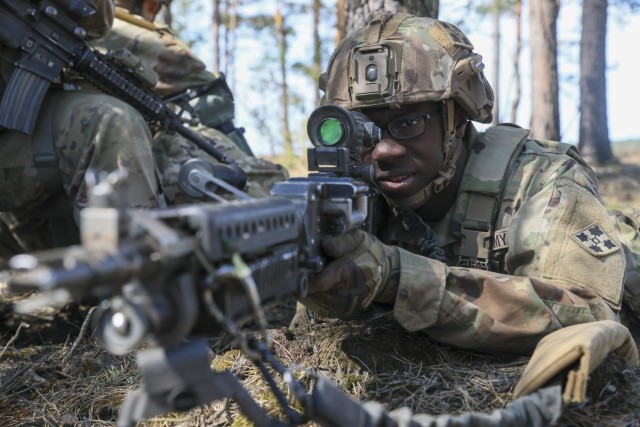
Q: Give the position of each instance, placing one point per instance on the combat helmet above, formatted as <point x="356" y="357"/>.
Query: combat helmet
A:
<point x="400" y="59"/>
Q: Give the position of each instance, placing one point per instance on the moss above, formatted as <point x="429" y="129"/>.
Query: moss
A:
<point x="226" y="361"/>
<point x="21" y="353"/>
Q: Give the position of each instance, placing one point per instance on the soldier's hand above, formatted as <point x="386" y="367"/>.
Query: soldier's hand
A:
<point x="363" y="270"/>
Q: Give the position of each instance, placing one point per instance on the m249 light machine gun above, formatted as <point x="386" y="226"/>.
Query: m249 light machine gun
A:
<point x="173" y="275"/>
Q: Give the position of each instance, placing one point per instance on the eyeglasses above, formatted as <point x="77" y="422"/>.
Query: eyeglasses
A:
<point x="409" y="126"/>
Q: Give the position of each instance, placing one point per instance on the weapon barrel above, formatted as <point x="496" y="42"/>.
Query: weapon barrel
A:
<point x="83" y="273"/>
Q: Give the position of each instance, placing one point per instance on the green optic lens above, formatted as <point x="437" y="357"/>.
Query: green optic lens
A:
<point x="331" y="131"/>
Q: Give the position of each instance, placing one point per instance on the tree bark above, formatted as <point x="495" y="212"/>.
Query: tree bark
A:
<point x="341" y="25"/>
<point x="360" y="12"/>
<point x="317" y="49"/>
<point x="545" y="109"/>
<point x="516" y="60"/>
<point x="227" y="8"/>
<point x="496" y="61"/>
<point x="165" y="15"/>
<point x="215" y="34"/>
<point x="284" y="89"/>
<point x="230" y="46"/>
<point x="594" y="123"/>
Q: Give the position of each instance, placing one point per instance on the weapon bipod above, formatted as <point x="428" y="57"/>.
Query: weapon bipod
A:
<point x="179" y="379"/>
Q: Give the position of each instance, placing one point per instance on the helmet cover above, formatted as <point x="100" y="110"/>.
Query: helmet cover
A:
<point x="400" y="59"/>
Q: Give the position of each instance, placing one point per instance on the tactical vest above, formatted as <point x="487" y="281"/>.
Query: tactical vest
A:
<point x="482" y="245"/>
<point x="484" y="237"/>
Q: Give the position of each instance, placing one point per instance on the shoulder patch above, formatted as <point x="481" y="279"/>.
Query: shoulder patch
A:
<point x="594" y="240"/>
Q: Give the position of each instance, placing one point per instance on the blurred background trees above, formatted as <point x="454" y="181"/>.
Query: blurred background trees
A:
<point x="273" y="52"/>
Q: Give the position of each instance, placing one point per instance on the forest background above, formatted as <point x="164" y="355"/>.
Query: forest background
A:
<point x="272" y="53"/>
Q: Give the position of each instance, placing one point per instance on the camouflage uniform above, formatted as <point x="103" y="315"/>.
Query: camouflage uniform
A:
<point x="178" y="69"/>
<point x="534" y="279"/>
<point x="171" y="150"/>
<point x="528" y="247"/>
<point x="86" y="130"/>
<point x="629" y="227"/>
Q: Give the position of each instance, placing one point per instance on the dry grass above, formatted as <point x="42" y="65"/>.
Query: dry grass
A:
<point x="41" y="384"/>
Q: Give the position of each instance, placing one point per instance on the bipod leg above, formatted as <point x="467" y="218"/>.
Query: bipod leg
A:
<point x="179" y="379"/>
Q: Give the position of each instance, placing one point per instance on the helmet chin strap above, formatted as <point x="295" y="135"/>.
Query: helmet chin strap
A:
<point x="452" y="149"/>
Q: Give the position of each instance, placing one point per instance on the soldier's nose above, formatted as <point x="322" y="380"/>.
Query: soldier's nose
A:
<point x="387" y="150"/>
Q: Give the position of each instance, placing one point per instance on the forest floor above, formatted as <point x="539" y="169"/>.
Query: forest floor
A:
<point x="54" y="373"/>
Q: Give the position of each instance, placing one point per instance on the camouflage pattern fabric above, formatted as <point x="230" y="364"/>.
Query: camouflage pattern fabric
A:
<point x="171" y="150"/>
<point x="88" y="131"/>
<point x="563" y="261"/>
<point x="629" y="228"/>
<point x="551" y="258"/>
<point x="442" y="53"/>
<point x="177" y="67"/>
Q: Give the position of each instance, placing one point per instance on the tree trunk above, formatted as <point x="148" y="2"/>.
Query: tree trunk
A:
<point x="317" y="49"/>
<point x="594" y="124"/>
<point x="227" y="9"/>
<point x="230" y="45"/>
<point x="496" y="61"/>
<point x="545" y="109"/>
<point x="284" y="90"/>
<point x="360" y="12"/>
<point x="341" y="25"/>
<point x="165" y="15"/>
<point x="215" y="34"/>
<point x="516" y="60"/>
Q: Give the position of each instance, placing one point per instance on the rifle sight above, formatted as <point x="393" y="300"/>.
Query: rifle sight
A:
<point x="333" y="126"/>
<point x="338" y="137"/>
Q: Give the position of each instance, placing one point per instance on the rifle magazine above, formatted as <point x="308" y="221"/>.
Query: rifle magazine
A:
<point x="22" y="100"/>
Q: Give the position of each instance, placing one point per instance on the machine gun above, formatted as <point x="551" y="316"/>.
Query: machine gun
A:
<point x="47" y="38"/>
<point x="173" y="275"/>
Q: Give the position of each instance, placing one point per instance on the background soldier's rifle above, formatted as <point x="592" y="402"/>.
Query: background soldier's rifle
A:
<point x="172" y="275"/>
<point x="47" y="37"/>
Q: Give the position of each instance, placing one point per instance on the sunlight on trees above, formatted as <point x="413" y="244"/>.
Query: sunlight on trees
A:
<point x="273" y="55"/>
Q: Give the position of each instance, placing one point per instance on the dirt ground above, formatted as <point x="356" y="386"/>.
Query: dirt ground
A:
<point x="54" y="373"/>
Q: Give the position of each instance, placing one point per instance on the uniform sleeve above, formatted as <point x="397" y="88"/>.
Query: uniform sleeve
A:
<point x="177" y="66"/>
<point x="564" y="266"/>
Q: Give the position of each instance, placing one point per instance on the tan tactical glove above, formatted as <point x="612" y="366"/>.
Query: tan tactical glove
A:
<point x="363" y="270"/>
<point x="579" y="348"/>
